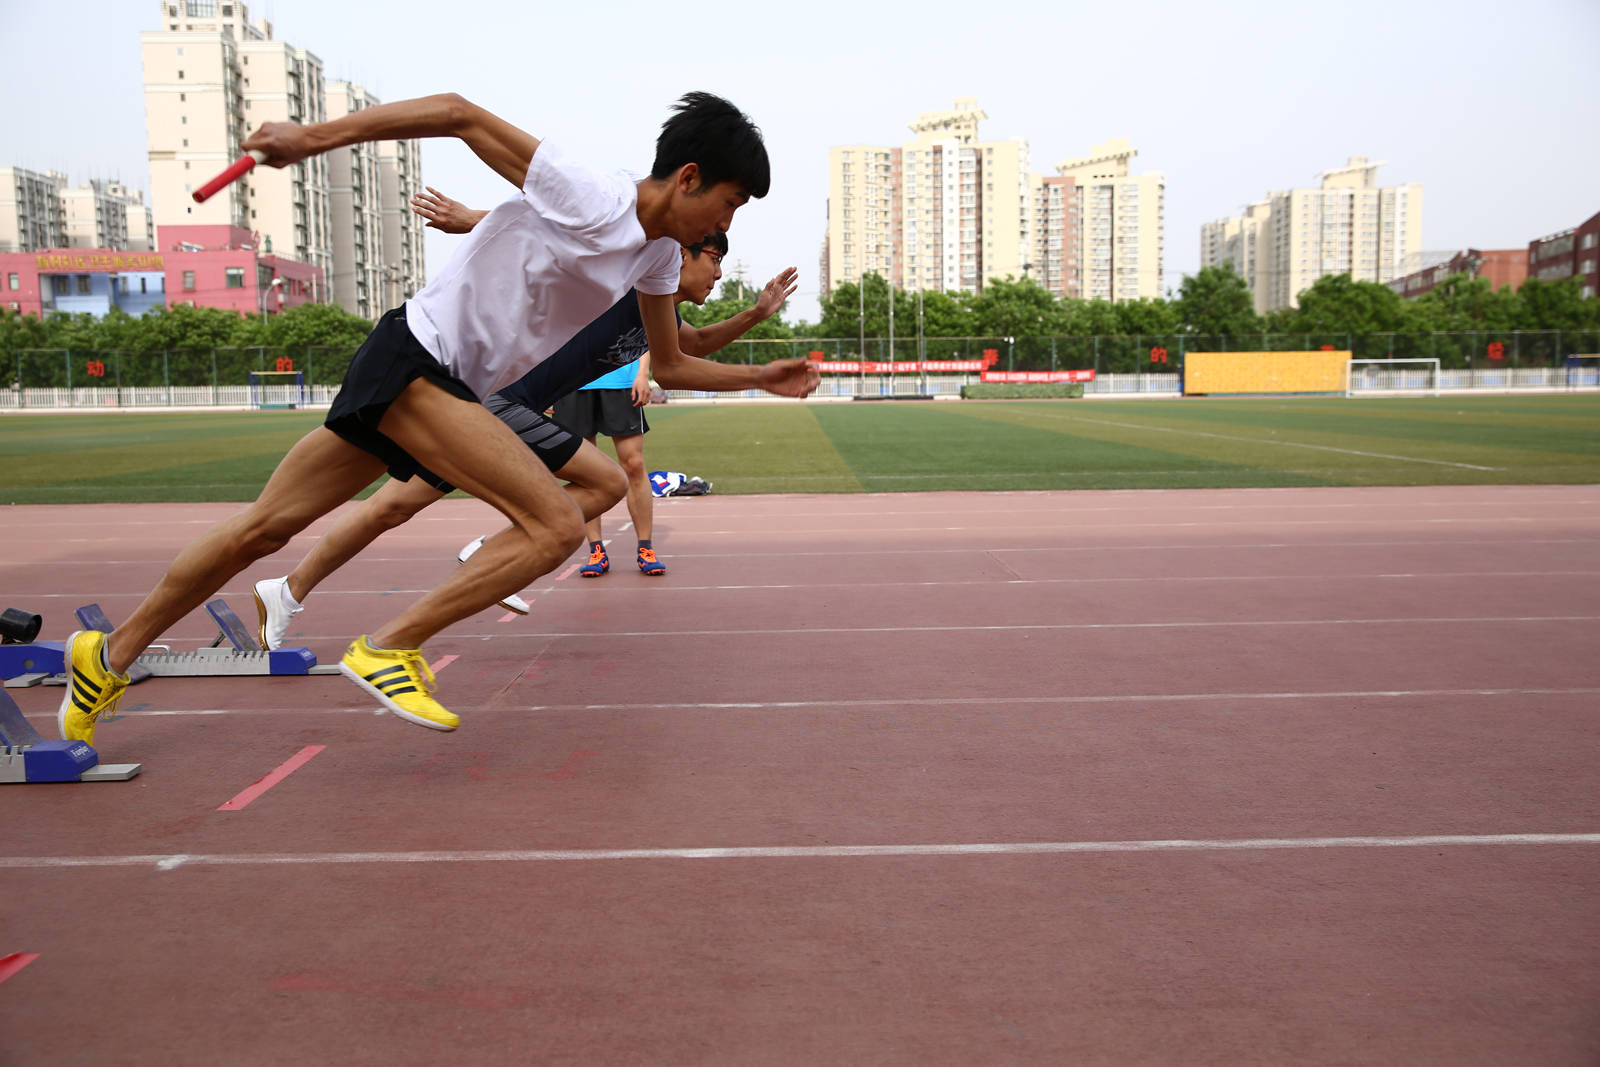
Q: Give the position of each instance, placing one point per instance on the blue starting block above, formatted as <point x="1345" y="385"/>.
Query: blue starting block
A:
<point x="43" y="661"/>
<point x="25" y="756"/>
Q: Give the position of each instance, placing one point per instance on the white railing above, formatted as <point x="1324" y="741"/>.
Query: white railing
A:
<point x="841" y="387"/>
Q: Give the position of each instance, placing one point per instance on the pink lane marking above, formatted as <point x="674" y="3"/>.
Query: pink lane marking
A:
<point x="566" y="573"/>
<point x="288" y="767"/>
<point x="10" y="965"/>
<point x="444" y="661"/>
<point x="508" y="616"/>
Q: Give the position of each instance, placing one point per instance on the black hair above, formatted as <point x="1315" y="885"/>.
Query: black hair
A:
<point x="719" y="138"/>
<point x="717" y="242"/>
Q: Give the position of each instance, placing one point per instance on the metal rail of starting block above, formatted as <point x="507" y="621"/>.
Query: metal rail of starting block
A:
<point x="43" y="663"/>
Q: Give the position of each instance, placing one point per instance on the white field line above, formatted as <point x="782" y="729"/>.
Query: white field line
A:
<point x="171" y="861"/>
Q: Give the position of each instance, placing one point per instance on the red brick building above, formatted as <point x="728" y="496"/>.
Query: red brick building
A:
<point x="1573" y="253"/>
<point x="1500" y="267"/>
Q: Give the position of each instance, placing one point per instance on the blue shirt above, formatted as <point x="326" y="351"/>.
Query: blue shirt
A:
<point x="605" y="350"/>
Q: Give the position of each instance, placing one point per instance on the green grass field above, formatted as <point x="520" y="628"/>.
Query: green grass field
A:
<point x="894" y="447"/>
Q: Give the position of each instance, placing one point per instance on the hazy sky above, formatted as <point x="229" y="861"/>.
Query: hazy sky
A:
<point x="1490" y="105"/>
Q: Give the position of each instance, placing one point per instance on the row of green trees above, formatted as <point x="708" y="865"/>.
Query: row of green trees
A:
<point x="1214" y="304"/>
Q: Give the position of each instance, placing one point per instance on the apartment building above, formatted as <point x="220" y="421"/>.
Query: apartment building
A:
<point x="399" y="178"/>
<point x="355" y="193"/>
<point x="1573" y="253"/>
<point x="39" y="211"/>
<point x="105" y="214"/>
<point x="1498" y="266"/>
<point x="31" y="215"/>
<point x="950" y="211"/>
<point x="1348" y="224"/>
<point x="211" y="74"/>
<point x="944" y="211"/>
<point x="1115" y="225"/>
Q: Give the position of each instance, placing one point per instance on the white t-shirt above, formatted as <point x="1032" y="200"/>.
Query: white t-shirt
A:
<point x="538" y="269"/>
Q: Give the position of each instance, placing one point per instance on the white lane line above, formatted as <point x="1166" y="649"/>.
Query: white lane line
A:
<point x="1183" y="432"/>
<point x="171" y="861"/>
<point x="1198" y="624"/>
<point x="968" y="550"/>
<point x="1330" y="576"/>
<point x="992" y="701"/>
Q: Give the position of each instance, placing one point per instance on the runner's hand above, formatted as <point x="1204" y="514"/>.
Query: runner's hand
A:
<point x="775" y="292"/>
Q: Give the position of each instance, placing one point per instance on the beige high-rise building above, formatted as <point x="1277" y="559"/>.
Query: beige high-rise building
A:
<point x="400" y="178"/>
<point x="31" y="215"/>
<point x="356" y="204"/>
<point x="948" y="211"/>
<point x="1121" y="224"/>
<point x="944" y="211"/>
<point x="211" y="75"/>
<point x="1347" y="225"/>
<point x="105" y="214"/>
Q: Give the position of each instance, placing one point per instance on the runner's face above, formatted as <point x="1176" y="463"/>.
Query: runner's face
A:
<point x="707" y="211"/>
<point x="698" y="276"/>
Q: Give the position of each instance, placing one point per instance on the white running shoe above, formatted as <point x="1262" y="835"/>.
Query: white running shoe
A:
<point x="273" y="605"/>
<point x="510" y="603"/>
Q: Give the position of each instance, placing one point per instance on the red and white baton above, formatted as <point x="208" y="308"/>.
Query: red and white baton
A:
<point x="236" y="170"/>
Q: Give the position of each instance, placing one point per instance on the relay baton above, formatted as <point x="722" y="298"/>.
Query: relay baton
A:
<point x="239" y="168"/>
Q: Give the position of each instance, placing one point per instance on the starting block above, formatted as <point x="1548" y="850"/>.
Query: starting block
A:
<point x="25" y="756"/>
<point x="44" y="662"/>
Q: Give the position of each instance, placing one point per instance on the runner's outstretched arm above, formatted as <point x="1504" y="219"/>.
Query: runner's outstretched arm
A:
<point x="675" y="370"/>
<point x="704" y="340"/>
<point x="506" y="149"/>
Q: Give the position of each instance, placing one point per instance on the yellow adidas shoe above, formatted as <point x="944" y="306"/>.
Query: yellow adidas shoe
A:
<point x="400" y="678"/>
<point x="92" y="690"/>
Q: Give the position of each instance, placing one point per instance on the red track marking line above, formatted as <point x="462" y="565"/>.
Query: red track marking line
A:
<point x="286" y="768"/>
<point x="508" y="616"/>
<point x="10" y="965"/>
<point x="566" y="573"/>
<point x="444" y="661"/>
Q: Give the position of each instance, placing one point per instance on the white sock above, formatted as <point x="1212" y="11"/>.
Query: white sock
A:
<point x="288" y="598"/>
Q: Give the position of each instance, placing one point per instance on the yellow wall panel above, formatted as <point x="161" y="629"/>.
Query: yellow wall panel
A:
<point x="1264" y="372"/>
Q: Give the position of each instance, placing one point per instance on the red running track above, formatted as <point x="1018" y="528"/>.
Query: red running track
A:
<point x="1261" y="776"/>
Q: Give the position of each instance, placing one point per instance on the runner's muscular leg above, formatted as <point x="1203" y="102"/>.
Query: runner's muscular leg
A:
<point x="641" y="501"/>
<point x="595" y="483"/>
<point x="319" y="473"/>
<point x="466" y="445"/>
<point x="393" y="504"/>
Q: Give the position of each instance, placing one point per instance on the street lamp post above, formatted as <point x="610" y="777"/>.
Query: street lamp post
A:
<point x="264" y="291"/>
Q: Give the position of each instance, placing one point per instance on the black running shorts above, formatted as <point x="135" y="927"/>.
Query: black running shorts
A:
<point x="588" y="412"/>
<point x="387" y="361"/>
<point x="553" y="443"/>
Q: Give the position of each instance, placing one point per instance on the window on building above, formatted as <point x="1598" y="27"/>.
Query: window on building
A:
<point x="235" y="277"/>
<point x="188" y="280"/>
<point x="83" y="284"/>
<point x="13" y="281"/>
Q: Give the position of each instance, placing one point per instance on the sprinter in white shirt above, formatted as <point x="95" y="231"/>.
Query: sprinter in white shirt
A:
<point x="537" y="269"/>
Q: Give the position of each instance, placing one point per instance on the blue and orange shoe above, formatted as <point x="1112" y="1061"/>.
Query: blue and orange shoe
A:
<point x="648" y="564"/>
<point x="92" y="690"/>
<point x="598" y="563"/>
